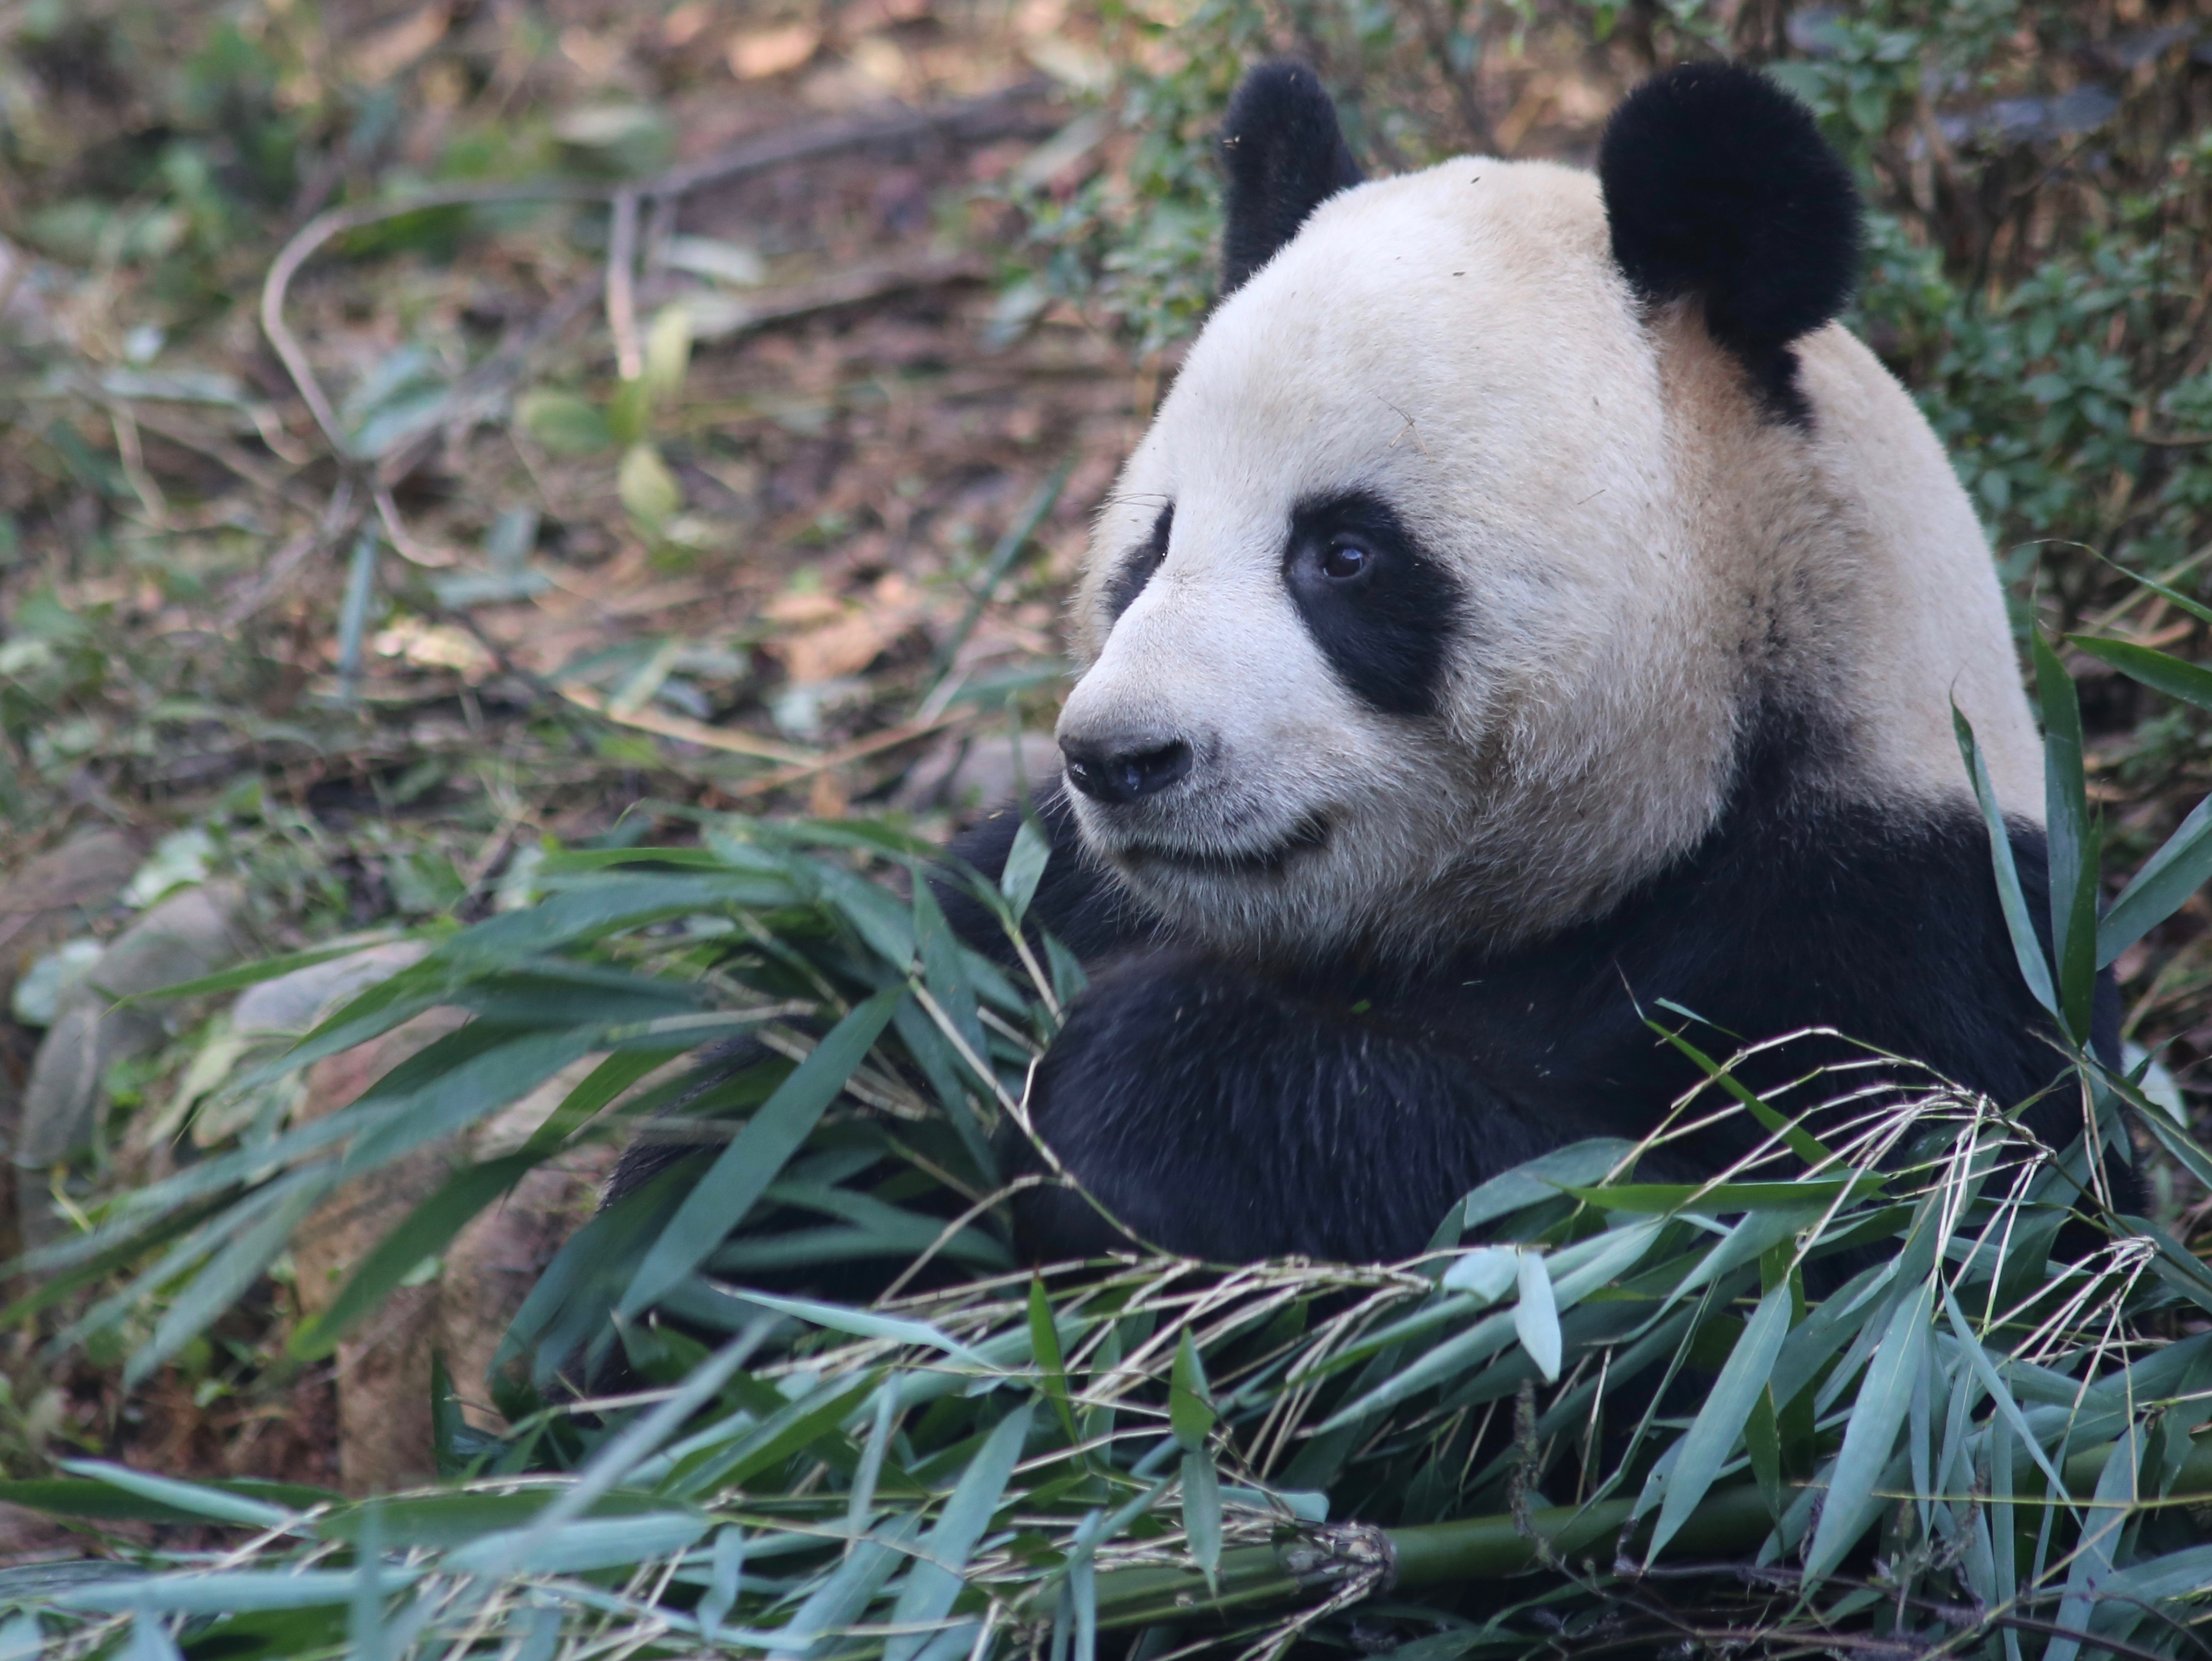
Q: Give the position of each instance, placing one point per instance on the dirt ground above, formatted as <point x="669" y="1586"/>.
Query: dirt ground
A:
<point x="819" y="570"/>
<point x="800" y="627"/>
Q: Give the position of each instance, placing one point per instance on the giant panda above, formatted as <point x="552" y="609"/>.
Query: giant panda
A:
<point x="1528" y="612"/>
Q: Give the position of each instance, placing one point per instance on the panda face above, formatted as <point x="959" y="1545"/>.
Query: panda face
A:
<point x="1383" y="592"/>
<point x="1506" y="526"/>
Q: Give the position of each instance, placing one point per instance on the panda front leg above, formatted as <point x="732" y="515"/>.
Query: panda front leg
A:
<point x="1224" y="1115"/>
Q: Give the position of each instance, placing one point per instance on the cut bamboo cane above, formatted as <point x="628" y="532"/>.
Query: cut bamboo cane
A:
<point x="1316" y="1563"/>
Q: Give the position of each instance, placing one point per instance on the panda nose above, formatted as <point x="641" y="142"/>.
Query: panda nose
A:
<point x="1122" y="767"/>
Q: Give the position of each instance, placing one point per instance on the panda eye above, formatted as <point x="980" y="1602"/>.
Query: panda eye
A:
<point x="1137" y="569"/>
<point x="1345" y="559"/>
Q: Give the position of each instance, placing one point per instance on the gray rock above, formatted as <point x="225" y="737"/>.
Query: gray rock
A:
<point x="39" y="994"/>
<point x="292" y="1004"/>
<point x="187" y="935"/>
<point x="46" y="899"/>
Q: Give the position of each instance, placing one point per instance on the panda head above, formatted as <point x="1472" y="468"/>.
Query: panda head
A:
<point x="1504" y="525"/>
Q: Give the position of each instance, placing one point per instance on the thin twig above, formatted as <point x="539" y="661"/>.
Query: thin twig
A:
<point x="646" y="719"/>
<point x="337" y="519"/>
<point x="338" y="221"/>
<point x="889" y="739"/>
<point x="945" y="1235"/>
<point x="395" y="529"/>
<point x="994" y="115"/>
<point x="133" y="457"/>
<point x="19" y="267"/>
<point x="622" y="287"/>
<point x="218" y="448"/>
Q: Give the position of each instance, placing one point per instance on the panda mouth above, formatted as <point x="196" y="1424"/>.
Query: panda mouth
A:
<point x="1310" y="833"/>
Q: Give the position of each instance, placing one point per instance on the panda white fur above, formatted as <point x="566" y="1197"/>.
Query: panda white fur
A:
<point x="1529" y="610"/>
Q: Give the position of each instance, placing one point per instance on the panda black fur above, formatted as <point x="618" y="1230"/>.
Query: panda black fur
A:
<point x="1529" y="611"/>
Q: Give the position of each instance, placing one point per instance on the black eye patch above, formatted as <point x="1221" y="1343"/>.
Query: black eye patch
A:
<point x="1136" y="568"/>
<point x="1381" y="610"/>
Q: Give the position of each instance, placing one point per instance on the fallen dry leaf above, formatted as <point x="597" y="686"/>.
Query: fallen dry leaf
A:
<point x="432" y="646"/>
<point x="684" y="25"/>
<point x="758" y="53"/>
<point x="802" y="606"/>
<point x="845" y="646"/>
<point x="391" y="49"/>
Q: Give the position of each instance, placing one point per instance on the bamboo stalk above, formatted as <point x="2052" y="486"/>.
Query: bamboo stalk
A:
<point x="1315" y="1563"/>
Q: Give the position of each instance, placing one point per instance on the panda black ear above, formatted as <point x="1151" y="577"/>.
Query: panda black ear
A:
<point x="1718" y="185"/>
<point x="1285" y="156"/>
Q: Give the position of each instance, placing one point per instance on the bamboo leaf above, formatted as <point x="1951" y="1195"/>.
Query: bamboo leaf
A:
<point x="150" y="1639"/>
<point x="1595" y="1261"/>
<point x="1870" y="1434"/>
<point x="848" y="1591"/>
<point x="580" y="1545"/>
<point x="102" y="1500"/>
<point x="2109" y="1513"/>
<point x="774" y="1439"/>
<point x="1483" y="1273"/>
<point x="1977" y="1359"/>
<point x="724" y="1576"/>
<point x="876" y="917"/>
<point x="927" y="1595"/>
<point x="2195" y="608"/>
<point x="2156" y="1119"/>
<point x="1024" y="866"/>
<point x="860" y="1503"/>
<point x="1799" y="1140"/>
<point x="463" y="1077"/>
<point x="264" y="969"/>
<point x="1202" y="1512"/>
<point x="227" y="1592"/>
<point x="1190" y="1404"/>
<point x="1539" y="1178"/>
<point x="2072" y="841"/>
<point x="2027" y="948"/>
<point x="169" y="1494"/>
<point x="227" y="1276"/>
<point x="1051" y="1359"/>
<point x="365" y="1631"/>
<point x="2190" y="683"/>
<point x="2161" y="888"/>
<point x="1713" y="1199"/>
<point x="1083" y="1588"/>
<point x="1536" y="1316"/>
<point x="863" y="1324"/>
<point x="944" y="971"/>
<point x="1712" y="1436"/>
<point x="619" y="1456"/>
<point x="2183" y="1574"/>
<point x="758" y="1153"/>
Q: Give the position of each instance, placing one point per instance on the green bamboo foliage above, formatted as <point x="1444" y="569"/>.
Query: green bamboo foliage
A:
<point x="1852" y="1368"/>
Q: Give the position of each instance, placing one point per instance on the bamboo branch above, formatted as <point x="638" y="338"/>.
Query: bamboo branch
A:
<point x="1322" y="1560"/>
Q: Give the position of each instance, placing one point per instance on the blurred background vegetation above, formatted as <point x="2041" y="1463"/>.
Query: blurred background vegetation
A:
<point x="718" y="432"/>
